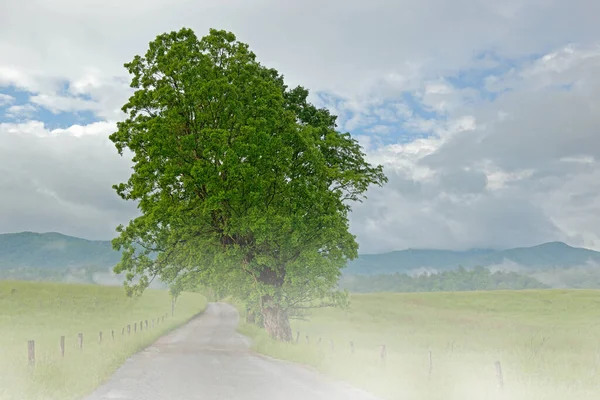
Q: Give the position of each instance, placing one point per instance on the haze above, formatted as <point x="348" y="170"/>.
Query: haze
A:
<point x="470" y="271"/>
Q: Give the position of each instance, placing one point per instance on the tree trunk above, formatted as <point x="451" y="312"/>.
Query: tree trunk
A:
<point x="276" y="322"/>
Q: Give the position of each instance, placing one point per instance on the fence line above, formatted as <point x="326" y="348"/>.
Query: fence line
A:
<point x="383" y="351"/>
<point x="499" y="375"/>
<point x="31" y="348"/>
<point x="383" y="355"/>
<point x="430" y="364"/>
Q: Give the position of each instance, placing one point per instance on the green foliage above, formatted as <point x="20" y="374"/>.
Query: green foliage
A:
<point x="478" y="278"/>
<point x="579" y="277"/>
<point x="243" y="185"/>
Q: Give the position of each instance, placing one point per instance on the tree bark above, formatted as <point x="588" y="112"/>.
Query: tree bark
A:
<point x="276" y="321"/>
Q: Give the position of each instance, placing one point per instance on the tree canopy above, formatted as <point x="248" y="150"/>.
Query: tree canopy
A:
<point x="241" y="182"/>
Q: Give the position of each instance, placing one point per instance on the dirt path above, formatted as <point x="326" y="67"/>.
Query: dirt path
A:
<point x="207" y="359"/>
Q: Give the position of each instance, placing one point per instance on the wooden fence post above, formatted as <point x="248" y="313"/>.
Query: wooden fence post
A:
<point x="146" y="322"/>
<point x="307" y="341"/>
<point x="351" y="347"/>
<point x="141" y="326"/>
<point x="100" y="337"/>
<point x="112" y="333"/>
<point x="383" y="354"/>
<point x="430" y="364"/>
<point x="80" y="340"/>
<point x="128" y="329"/>
<point x="499" y="375"/>
<point x="31" y="353"/>
<point x="135" y="327"/>
<point x="297" y="336"/>
<point x="62" y="346"/>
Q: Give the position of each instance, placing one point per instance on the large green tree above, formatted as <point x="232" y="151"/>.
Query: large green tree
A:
<point x="241" y="182"/>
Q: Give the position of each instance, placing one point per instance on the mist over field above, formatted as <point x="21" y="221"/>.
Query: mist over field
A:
<point x="544" y="341"/>
<point x="586" y="276"/>
<point x="43" y="257"/>
<point x="403" y="196"/>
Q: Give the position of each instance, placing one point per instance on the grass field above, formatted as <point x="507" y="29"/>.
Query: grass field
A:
<point x="45" y="311"/>
<point x="547" y="341"/>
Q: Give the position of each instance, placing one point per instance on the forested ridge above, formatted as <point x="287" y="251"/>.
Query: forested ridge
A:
<point x="461" y="279"/>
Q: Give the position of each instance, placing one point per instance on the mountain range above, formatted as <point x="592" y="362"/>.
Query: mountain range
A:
<point x="54" y="251"/>
<point x="553" y="255"/>
<point x="57" y="251"/>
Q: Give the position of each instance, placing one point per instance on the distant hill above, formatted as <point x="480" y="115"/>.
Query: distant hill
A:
<point x="542" y="257"/>
<point x="56" y="257"/>
<point x="54" y="251"/>
<point x="29" y="255"/>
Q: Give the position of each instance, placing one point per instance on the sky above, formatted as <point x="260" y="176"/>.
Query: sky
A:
<point x="484" y="114"/>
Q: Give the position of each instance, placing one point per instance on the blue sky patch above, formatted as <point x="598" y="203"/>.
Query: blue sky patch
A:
<point x="22" y="110"/>
<point x="384" y="122"/>
<point x="419" y="109"/>
<point x="475" y="77"/>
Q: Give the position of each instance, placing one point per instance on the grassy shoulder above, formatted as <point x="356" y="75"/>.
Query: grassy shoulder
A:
<point x="545" y="340"/>
<point x="46" y="311"/>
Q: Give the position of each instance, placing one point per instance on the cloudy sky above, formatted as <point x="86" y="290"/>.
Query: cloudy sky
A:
<point x="485" y="114"/>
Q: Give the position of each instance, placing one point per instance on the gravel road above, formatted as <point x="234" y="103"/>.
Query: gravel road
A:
<point x="208" y="360"/>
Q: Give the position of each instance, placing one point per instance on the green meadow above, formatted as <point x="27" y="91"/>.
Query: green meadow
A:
<point x="44" y="312"/>
<point x="546" y="341"/>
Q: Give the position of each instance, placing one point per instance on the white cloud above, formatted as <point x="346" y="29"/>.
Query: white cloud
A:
<point x="517" y="170"/>
<point x="27" y="78"/>
<point x="61" y="180"/>
<point x="351" y="48"/>
<point x="14" y="77"/>
<point x="57" y="104"/>
<point x="20" y="111"/>
<point x="108" y="92"/>
<point x="569" y="65"/>
<point x="438" y="88"/>
<point x="101" y="128"/>
<point x="380" y="130"/>
<point x="6" y="99"/>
